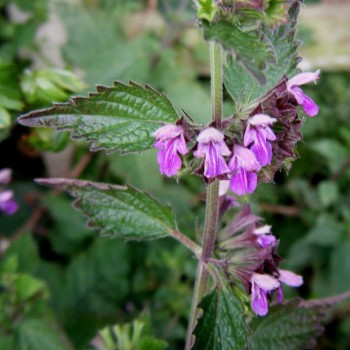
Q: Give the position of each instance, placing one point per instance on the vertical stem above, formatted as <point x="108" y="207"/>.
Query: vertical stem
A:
<point x="216" y="82"/>
<point x="212" y="203"/>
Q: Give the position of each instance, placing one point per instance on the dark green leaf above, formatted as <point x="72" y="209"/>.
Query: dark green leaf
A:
<point x="251" y="48"/>
<point x="122" y="117"/>
<point x="119" y="211"/>
<point x="291" y="326"/>
<point x="34" y="334"/>
<point x="222" y="325"/>
<point x="242" y="87"/>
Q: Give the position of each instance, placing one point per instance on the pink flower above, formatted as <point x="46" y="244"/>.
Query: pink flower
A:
<point x="7" y="203"/>
<point x="257" y="136"/>
<point x="212" y="147"/>
<point x="262" y="284"/>
<point x="243" y="166"/>
<point x="290" y="279"/>
<point x="170" y="141"/>
<point x="264" y="236"/>
<point x="310" y="107"/>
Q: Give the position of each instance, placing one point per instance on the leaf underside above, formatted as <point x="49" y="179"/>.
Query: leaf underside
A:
<point x="122" y="117"/>
<point x="222" y="326"/>
<point x="118" y="211"/>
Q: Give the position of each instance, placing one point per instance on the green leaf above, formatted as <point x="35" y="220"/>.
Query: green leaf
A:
<point x="291" y="326"/>
<point x="222" y="325"/>
<point x="34" y="334"/>
<point x="10" y="94"/>
<point x="251" y="48"/>
<point x="103" y="51"/>
<point x="327" y="232"/>
<point x="46" y="85"/>
<point x="119" y="211"/>
<point x="122" y="117"/>
<point x="242" y="87"/>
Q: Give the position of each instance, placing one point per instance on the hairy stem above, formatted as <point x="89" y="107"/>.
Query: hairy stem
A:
<point x="212" y="203"/>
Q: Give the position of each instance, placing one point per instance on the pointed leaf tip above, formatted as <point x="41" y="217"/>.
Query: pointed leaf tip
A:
<point x="118" y="118"/>
<point x="118" y="211"/>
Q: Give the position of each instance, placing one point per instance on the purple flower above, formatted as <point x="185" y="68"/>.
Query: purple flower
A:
<point x="290" y="279"/>
<point x="264" y="236"/>
<point x="310" y="107"/>
<point x="7" y="203"/>
<point x="212" y="147"/>
<point x="5" y="176"/>
<point x="244" y="164"/>
<point x="170" y="141"/>
<point x="262" y="284"/>
<point x="257" y="135"/>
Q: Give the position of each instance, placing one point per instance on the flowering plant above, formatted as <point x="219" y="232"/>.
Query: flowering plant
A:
<point x="253" y="53"/>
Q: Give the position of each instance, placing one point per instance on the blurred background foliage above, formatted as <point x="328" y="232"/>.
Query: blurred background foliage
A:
<point x="60" y="283"/>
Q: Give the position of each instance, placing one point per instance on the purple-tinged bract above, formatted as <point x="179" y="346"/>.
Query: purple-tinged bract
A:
<point x="170" y="142"/>
<point x="212" y="147"/>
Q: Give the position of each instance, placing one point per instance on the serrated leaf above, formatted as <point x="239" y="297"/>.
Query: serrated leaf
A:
<point x="122" y="117"/>
<point x="250" y="47"/>
<point x="222" y="326"/>
<point x="291" y="326"/>
<point x="119" y="211"/>
<point x="242" y="87"/>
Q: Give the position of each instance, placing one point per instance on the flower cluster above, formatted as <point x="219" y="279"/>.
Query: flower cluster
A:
<point x="7" y="203"/>
<point x="246" y="240"/>
<point x="227" y="158"/>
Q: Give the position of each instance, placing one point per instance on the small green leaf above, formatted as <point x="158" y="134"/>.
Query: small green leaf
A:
<point x="242" y="87"/>
<point x="122" y="117"/>
<point x="291" y="326"/>
<point x="250" y="47"/>
<point x="119" y="211"/>
<point x="222" y="326"/>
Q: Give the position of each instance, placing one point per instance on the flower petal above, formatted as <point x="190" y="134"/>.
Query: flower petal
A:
<point x="266" y="240"/>
<point x="223" y="187"/>
<point x="169" y="131"/>
<point x="5" y="176"/>
<point x="261" y="120"/>
<point x="243" y="158"/>
<point x="290" y="278"/>
<point x="263" y="230"/>
<point x="210" y="134"/>
<point x="214" y="164"/>
<point x="262" y="149"/>
<point x="310" y="107"/>
<point x="264" y="281"/>
<point x="303" y="78"/>
<point x="259" y="300"/>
